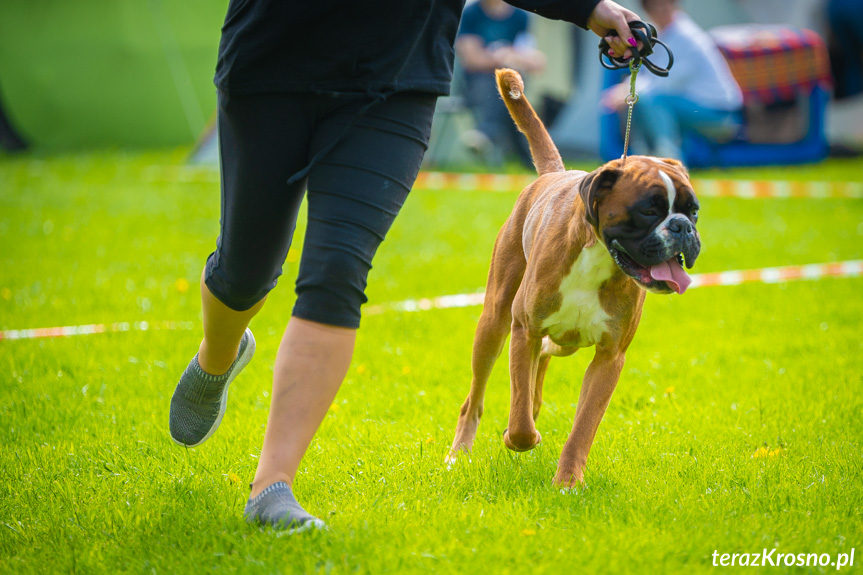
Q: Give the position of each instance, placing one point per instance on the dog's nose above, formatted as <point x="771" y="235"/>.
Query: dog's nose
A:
<point x="680" y="226"/>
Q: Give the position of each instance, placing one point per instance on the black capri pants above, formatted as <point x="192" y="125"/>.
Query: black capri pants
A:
<point x="362" y="159"/>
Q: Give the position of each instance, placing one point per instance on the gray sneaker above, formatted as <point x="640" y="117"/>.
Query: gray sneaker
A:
<point x="200" y="399"/>
<point x="276" y="506"/>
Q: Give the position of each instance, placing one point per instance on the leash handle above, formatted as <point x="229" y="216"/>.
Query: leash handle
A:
<point x="645" y="34"/>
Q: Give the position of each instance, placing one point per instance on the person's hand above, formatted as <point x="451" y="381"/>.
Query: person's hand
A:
<point x="608" y="16"/>
<point x="504" y="57"/>
<point x="525" y="60"/>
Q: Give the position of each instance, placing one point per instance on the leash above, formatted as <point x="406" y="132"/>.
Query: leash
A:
<point x="645" y="34"/>
<point x="630" y="100"/>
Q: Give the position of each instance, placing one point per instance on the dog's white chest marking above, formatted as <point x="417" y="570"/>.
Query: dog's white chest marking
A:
<point x="580" y="308"/>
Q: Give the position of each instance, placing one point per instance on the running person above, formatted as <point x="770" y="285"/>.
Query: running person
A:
<point x="334" y="99"/>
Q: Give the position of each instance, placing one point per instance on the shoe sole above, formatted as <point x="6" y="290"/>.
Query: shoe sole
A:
<point x="242" y="362"/>
<point x="305" y="527"/>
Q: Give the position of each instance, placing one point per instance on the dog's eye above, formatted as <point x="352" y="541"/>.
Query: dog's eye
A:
<point x="694" y="215"/>
<point x="651" y="213"/>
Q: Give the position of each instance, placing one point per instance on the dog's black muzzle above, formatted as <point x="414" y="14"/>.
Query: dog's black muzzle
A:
<point x="676" y="235"/>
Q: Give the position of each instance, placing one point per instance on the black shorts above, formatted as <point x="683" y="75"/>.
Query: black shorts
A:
<point x="355" y="190"/>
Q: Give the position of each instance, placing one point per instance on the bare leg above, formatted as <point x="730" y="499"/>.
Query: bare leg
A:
<point x="223" y="330"/>
<point x="312" y="361"/>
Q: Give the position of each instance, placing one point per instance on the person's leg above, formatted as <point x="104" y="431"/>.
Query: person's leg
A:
<point x="846" y="25"/>
<point x="263" y="140"/>
<point x="354" y="194"/>
<point x="715" y="125"/>
<point x="488" y="110"/>
<point x="223" y="330"/>
<point x="656" y="121"/>
<point x="518" y="141"/>
<point x="501" y="129"/>
<point x="663" y="119"/>
<point x="312" y="361"/>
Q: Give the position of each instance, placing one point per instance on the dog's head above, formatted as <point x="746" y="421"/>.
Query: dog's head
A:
<point x="644" y="211"/>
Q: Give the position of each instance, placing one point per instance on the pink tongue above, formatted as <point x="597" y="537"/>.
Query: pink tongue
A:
<point x="673" y="274"/>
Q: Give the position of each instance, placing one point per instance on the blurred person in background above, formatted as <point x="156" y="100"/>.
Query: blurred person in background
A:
<point x="331" y="101"/>
<point x="846" y="53"/>
<point x="700" y="95"/>
<point x="494" y="35"/>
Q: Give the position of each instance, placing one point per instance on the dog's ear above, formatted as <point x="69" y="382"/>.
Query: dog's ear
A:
<point x="677" y="164"/>
<point x="593" y="187"/>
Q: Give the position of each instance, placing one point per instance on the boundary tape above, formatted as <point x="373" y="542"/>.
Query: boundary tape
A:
<point x="747" y="189"/>
<point x="89" y="329"/>
<point x="850" y="268"/>
<point x="704" y="187"/>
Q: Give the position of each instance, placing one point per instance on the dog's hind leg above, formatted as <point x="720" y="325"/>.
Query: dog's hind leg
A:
<point x="542" y="367"/>
<point x="487" y="345"/>
<point x="494" y="324"/>
<point x="549" y="350"/>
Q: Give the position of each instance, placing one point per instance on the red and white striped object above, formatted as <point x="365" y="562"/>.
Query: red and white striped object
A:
<point x="703" y="187"/>
<point x="514" y="182"/>
<point x="70" y="330"/>
<point x="851" y="268"/>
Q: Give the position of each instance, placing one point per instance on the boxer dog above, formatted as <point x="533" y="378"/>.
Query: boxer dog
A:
<point x="570" y="269"/>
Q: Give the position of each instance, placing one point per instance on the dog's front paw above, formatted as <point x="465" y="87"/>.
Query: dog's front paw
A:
<point x="451" y="459"/>
<point x="568" y="478"/>
<point x="523" y="441"/>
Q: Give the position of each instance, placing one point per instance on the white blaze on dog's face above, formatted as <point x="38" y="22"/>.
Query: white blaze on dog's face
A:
<point x="645" y="211"/>
<point x="670" y="189"/>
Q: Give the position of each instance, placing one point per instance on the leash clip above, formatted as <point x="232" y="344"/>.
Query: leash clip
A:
<point x="645" y="34"/>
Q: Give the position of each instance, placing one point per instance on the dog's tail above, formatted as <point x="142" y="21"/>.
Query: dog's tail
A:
<point x="546" y="157"/>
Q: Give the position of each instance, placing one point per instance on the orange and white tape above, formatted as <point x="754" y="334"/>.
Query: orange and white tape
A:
<point x="851" y="268"/>
<point x="70" y="330"/>
<point x="776" y="189"/>
<point x="703" y="187"/>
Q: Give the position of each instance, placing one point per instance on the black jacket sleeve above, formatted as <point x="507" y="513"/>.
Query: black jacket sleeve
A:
<point x="575" y="11"/>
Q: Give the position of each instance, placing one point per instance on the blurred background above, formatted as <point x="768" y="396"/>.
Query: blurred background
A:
<point x="130" y="73"/>
<point x="138" y="74"/>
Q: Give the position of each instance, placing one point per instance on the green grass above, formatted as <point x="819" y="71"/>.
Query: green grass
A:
<point x="92" y="74"/>
<point x="90" y="481"/>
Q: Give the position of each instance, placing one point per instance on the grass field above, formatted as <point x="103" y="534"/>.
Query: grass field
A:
<point x="736" y="426"/>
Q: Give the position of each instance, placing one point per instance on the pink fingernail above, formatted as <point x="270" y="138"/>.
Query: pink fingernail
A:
<point x="611" y="53"/>
<point x="632" y="42"/>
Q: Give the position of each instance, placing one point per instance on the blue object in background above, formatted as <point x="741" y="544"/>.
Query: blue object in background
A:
<point x="699" y="152"/>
